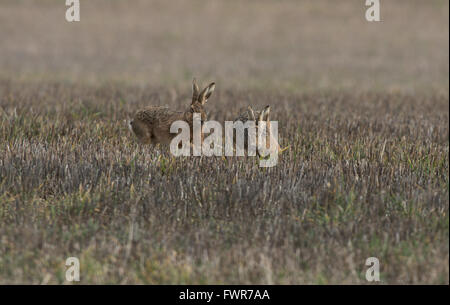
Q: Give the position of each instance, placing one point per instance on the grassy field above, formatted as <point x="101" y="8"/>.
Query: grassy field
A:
<point x="364" y="108"/>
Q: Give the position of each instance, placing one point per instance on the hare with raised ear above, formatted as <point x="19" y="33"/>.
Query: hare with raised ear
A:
<point x="257" y="117"/>
<point x="152" y="124"/>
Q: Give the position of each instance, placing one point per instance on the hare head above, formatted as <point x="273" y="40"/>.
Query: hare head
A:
<point x="258" y="117"/>
<point x="199" y="98"/>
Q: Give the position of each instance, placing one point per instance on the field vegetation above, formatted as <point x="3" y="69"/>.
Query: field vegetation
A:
<point x="363" y="107"/>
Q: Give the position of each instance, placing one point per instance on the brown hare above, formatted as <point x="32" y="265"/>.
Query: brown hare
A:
<point x="257" y="117"/>
<point x="152" y="124"/>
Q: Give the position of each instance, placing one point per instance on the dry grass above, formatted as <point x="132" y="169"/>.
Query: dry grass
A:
<point x="363" y="107"/>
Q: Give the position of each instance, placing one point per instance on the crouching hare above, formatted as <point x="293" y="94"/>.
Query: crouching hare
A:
<point x="260" y="117"/>
<point x="152" y="124"/>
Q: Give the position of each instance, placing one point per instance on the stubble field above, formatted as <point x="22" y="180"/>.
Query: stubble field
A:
<point x="362" y="106"/>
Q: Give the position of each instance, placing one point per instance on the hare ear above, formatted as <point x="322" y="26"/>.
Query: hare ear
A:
<point x="267" y="113"/>
<point x="252" y="114"/>
<point x="206" y="93"/>
<point x="264" y="113"/>
<point x="195" y="90"/>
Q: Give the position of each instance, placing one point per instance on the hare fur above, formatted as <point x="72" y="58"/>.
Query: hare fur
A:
<point x="151" y="125"/>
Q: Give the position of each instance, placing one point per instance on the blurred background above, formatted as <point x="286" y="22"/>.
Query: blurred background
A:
<point x="284" y="45"/>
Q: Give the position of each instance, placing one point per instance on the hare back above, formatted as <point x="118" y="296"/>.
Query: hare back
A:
<point x="155" y="122"/>
<point x="156" y="115"/>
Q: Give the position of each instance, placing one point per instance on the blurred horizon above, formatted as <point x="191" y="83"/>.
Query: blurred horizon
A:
<point x="308" y="45"/>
